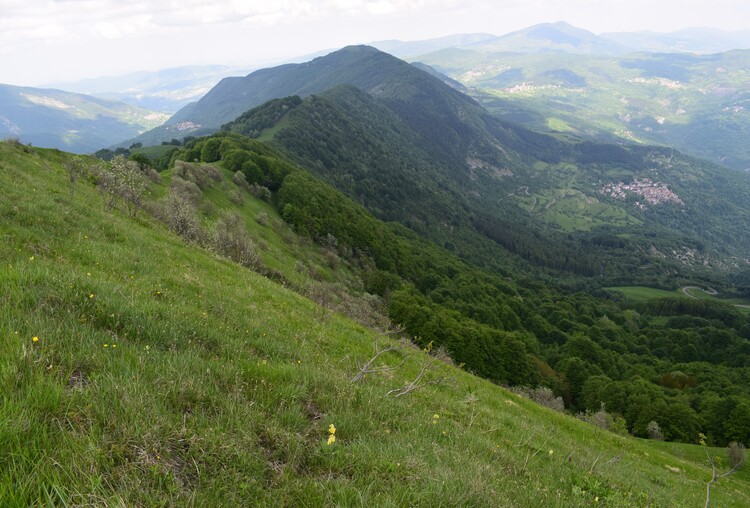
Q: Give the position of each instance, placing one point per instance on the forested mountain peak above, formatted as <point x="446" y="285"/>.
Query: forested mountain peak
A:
<point x="364" y="67"/>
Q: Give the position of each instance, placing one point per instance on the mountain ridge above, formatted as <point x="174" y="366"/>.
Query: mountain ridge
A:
<point x="235" y="95"/>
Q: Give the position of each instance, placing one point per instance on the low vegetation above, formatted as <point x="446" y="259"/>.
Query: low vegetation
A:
<point x="141" y="369"/>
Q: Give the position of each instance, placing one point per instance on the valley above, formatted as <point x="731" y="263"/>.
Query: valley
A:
<point x="513" y="272"/>
<point x="69" y="121"/>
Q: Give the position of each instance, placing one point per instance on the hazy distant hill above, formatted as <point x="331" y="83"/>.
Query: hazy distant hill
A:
<point x="689" y="40"/>
<point x="69" y="121"/>
<point x="551" y="38"/>
<point x="165" y="90"/>
<point x="697" y="103"/>
<point x="405" y="49"/>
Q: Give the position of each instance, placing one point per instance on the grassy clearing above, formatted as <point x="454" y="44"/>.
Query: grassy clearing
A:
<point x="153" y="152"/>
<point x="163" y="375"/>
<point x="268" y="134"/>
<point x="640" y="294"/>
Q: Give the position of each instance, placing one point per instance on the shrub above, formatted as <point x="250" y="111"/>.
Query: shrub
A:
<point x="185" y="189"/>
<point x="236" y="197"/>
<point x="76" y="167"/>
<point x="240" y="181"/>
<point x="541" y="395"/>
<point x="16" y="143"/>
<point x="262" y="218"/>
<point x="232" y="241"/>
<point x="182" y="218"/>
<point x="211" y="172"/>
<point x="604" y="420"/>
<point x="736" y="452"/>
<point x="122" y="179"/>
<point x="260" y="192"/>
<point x="203" y="176"/>
<point x="332" y="260"/>
<point x="152" y="175"/>
<point x="653" y="430"/>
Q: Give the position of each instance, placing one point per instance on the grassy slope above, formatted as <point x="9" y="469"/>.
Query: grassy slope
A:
<point x="222" y="385"/>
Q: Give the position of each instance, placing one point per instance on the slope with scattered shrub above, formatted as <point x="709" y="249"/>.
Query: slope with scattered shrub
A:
<point x="140" y="369"/>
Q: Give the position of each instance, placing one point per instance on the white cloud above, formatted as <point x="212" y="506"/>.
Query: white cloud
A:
<point x="50" y="36"/>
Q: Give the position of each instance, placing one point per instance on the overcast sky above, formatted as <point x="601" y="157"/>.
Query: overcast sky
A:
<point x="44" y="41"/>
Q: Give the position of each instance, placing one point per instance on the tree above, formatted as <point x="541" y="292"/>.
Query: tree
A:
<point x="122" y="179"/>
<point x="75" y="167"/>
<point x="210" y="151"/>
<point x="737" y="426"/>
<point x="142" y="160"/>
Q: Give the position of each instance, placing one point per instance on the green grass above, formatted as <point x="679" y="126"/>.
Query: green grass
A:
<point x="164" y="375"/>
<point x="640" y="294"/>
<point x="154" y="152"/>
<point x="268" y="134"/>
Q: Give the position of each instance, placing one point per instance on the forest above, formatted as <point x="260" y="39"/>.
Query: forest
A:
<point x="681" y="364"/>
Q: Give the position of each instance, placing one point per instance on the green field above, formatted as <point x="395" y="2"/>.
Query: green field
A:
<point x="140" y="370"/>
<point x="640" y="294"/>
<point x="153" y="152"/>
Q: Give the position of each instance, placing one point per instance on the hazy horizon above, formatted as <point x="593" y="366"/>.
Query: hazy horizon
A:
<point x="53" y="41"/>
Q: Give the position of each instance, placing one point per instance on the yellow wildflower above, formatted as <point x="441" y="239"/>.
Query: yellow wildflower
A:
<point x="331" y="429"/>
<point x="331" y="439"/>
<point x="91" y="295"/>
<point x="35" y="339"/>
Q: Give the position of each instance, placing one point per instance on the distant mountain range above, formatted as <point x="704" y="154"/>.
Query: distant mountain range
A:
<point x="406" y="49"/>
<point x="551" y="38"/>
<point x="566" y="38"/>
<point x="165" y="90"/>
<point x="539" y="60"/>
<point x="690" y="40"/>
<point x="69" y="121"/>
<point x="697" y="103"/>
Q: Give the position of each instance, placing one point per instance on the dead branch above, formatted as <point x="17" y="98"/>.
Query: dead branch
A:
<point x="368" y="368"/>
<point x="417" y="383"/>
<point x="716" y="476"/>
